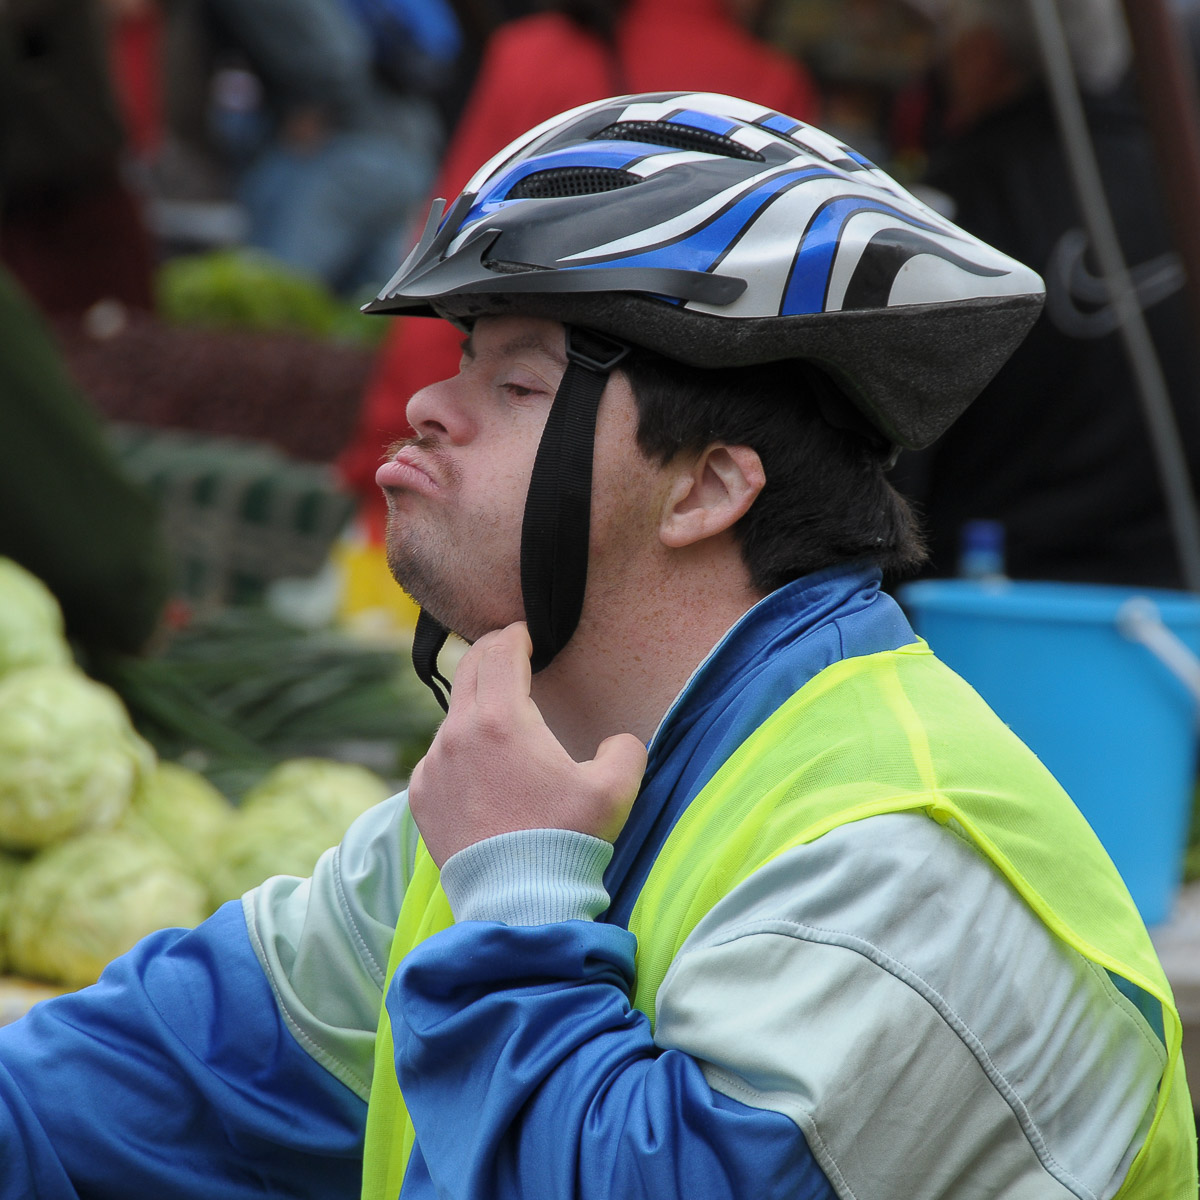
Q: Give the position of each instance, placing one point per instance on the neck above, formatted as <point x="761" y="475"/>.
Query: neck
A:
<point x="632" y="655"/>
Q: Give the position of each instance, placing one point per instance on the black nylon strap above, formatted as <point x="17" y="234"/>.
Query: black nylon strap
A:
<point x="558" y="515"/>
<point x="428" y="639"/>
<point x="557" y="521"/>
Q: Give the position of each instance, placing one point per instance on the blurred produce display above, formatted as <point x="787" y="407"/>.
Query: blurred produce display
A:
<point x="83" y="901"/>
<point x="69" y="757"/>
<point x="234" y="694"/>
<point x="243" y="288"/>
<point x="31" y="632"/>
<point x="240" y="346"/>
<point x="298" y="393"/>
<point x="236" y="515"/>
<point x="180" y="808"/>
<point x="285" y="822"/>
<point x="11" y="867"/>
<point x="146" y="798"/>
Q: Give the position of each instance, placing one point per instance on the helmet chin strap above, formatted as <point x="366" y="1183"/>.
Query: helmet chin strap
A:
<point x="428" y="639"/>
<point x="558" y="510"/>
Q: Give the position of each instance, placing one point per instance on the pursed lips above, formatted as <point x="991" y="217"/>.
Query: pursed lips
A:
<point x="411" y="469"/>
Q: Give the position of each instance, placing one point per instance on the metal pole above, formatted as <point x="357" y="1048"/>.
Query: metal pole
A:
<point x="1097" y="217"/>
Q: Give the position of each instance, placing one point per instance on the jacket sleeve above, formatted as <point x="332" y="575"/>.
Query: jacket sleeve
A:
<point x="230" y="1060"/>
<point x="172" y="1076"/>
<point x="527" y="1072"/>
<point x="847" y="997"/>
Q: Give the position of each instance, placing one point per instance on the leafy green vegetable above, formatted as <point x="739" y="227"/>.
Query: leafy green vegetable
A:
<point x="242" y="690"/>
<point x="69" y="757"/>
<point x="300" y="809"/>
<point x="82" y="902"/>
<point x="31" y="622"/>
<point x="262" y="844"/>
<point x="318" y="791"/>
<point x="248" y="289"/>
<point x="10" y="869"/>
<point x="182" y="808"/>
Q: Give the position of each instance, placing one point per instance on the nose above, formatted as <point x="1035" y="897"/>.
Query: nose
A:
<point x="438" y="411"/>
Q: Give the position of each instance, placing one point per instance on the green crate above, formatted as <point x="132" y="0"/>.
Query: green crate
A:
<point x="237" y="514"/>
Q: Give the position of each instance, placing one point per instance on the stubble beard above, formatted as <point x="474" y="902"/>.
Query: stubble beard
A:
<point x="425" y="566"/>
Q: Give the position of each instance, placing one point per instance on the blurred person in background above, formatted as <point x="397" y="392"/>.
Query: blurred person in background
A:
<point x="1056" y="448"/>
<point x="532" y="68"/>
<point x="71" y="229"/>
<point x="343" y="140"/>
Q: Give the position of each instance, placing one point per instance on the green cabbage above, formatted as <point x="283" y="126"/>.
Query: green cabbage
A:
<point x="185" y="811"/>
<point x="244" y="288"/>
<point x="70" y="759"/>
<point x="318" y="790"/>
<point x="10" y="869"/>
<point x="31" y="623"/>
<point x="298" y="810"/>
<point x="261" y="844"/>
<point x="79" y="904"/>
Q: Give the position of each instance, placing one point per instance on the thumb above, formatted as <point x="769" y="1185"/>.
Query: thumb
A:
<point x="616" y="774"/>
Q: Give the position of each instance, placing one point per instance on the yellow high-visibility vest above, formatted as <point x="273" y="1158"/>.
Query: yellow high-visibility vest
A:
<point x="890" y="732"/>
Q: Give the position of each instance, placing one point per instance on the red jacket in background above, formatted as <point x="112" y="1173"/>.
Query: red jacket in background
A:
<point x="533" y="68"/>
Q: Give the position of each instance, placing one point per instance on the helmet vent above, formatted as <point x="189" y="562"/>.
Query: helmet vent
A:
<point x="570" y="181"/>
<point x="678" y="137"/>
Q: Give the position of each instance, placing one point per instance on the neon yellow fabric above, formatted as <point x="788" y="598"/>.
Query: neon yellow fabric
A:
<point x="862" y="738"/>
<point x="390" y="1135"/>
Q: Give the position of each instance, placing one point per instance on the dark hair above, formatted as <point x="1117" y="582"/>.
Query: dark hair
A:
<point x="827" y="499"/>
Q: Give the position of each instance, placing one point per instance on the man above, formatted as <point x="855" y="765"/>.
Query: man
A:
<point x="556" y="57"/>
<point x="817" y="938"/>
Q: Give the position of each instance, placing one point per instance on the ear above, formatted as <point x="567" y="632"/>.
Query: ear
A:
<point x="710" y="494"/>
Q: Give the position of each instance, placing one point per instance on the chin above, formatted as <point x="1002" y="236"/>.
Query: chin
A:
<point x="446" y="603"/>
<point x="455" y="593"/>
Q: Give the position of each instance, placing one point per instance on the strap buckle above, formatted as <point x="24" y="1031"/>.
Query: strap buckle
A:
<point x="595" y="351"/>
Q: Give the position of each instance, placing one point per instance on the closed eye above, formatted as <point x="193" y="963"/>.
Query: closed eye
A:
<point x="518" y="391"/>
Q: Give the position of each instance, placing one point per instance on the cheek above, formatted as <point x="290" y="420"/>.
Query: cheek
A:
<point x="627" y="502"/>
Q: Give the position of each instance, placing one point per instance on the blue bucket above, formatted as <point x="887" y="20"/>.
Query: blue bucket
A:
<point x="1103" y="684"/>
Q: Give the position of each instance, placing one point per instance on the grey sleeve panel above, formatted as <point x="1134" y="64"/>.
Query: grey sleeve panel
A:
<point x="889" y="991"/>
<point x="531" y="877"/>
<point x="323" y="942"/>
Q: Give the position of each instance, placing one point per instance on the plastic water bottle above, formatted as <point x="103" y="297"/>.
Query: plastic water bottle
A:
<point x="981" y="554"/>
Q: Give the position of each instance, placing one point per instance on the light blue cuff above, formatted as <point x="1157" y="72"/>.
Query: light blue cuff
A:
<point x="530" y="877"/>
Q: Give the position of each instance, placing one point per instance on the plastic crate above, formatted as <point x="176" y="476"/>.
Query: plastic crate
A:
<point x="237" y="514"/>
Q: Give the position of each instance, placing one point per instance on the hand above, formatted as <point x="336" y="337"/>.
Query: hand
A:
<point x="495" y="767"/>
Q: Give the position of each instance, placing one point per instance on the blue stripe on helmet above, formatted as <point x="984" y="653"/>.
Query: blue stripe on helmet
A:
<point x="854" y="156"/>
<point x="702" y="248"/>
<point x="695" y="119"/>
<point x="777" y="123"/>
<point x="808" y="283"/>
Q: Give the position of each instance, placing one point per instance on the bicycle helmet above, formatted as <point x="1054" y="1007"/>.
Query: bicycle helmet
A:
<point x="718" y="233"/>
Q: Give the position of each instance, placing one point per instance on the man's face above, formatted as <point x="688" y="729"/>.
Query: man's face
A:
<point x="456" y="493"/>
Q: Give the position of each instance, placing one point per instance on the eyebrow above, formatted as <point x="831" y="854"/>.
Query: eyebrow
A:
<point x="528" y="341"/>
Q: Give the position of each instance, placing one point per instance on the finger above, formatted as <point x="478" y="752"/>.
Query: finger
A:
<point x="462" y="693"/>
<point x="616" y="774"/>
<point x="504" y="675"/>
<point x="526" y="641"/>
<point x="619" y="765"/>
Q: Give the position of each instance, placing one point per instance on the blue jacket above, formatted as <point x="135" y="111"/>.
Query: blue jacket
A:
<point x="236" y="1059"/>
